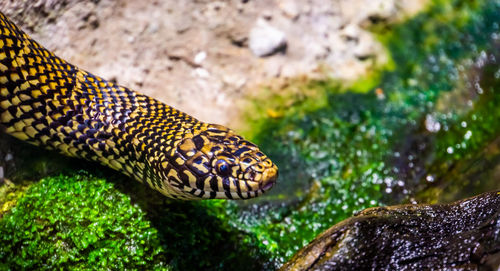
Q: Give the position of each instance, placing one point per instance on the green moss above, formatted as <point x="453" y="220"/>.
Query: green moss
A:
<point x="84" y="222"/>
<point x="10" y="193"/>
<point x="77" y="222"/>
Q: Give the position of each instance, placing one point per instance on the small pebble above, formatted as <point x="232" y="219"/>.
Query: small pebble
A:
<point x="266" y="40"/>
<point x="200" y="57"/>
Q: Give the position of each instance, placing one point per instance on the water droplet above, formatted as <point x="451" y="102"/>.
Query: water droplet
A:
<point x="467" y="135"/>
<point x="429" y="178"/>
<point x="478" y="88"/>
<point x="449" y="150"/>
<point x="431" y="124"/>
<point x="388" y="180"/>
<point x="463" y="124"/>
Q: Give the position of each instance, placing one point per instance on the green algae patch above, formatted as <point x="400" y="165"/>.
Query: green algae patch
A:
<point x="467" y="152"/>
<point x="77" y="222"/>
<point x="331" y="164"/>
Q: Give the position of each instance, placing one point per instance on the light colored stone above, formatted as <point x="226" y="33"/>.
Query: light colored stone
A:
<point x="202" y="72"/>
<point x="199" y="57"/>
<point x="289" y="8"/>
<point x="265" y="39"/>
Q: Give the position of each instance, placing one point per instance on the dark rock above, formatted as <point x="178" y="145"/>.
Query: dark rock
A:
<point x="464" y="235"/>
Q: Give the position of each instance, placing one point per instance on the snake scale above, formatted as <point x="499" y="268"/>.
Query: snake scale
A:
<point x="49" y="102"/>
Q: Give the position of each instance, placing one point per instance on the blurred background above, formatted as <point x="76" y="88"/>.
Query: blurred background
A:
<point x="204" y="57"/>
<point x="360" y="103"/>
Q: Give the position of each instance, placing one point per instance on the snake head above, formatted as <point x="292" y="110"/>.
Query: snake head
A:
<point x="220" y="164"/>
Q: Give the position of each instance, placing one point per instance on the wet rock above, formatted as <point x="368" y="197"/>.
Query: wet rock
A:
<point x="266" y="40"/>
<point x="464" y="235"/>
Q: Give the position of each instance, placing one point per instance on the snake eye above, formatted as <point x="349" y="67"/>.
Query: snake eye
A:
<point x="223" y="168"/>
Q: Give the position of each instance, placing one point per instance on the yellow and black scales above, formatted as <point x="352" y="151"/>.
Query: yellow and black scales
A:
<point x="48" y="102"/>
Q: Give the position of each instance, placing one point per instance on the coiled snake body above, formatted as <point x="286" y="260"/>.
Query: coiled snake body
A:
<point x="48" y="102"/>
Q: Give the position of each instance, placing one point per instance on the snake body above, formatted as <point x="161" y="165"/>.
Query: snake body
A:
<point x="49" y="102"/>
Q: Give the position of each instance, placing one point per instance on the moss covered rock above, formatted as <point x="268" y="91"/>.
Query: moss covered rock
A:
<point x="79" y="222"/>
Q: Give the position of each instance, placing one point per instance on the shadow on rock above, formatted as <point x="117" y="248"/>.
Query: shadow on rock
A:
<point x="192" y="234"/>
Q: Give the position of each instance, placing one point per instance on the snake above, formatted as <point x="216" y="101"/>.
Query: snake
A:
<point x="48" y="102"/>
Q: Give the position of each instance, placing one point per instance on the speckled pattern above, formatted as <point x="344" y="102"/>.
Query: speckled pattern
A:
<point x="48" y="102"/>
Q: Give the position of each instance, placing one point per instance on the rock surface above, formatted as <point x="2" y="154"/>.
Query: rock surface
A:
<point x="464" y="235"/>
<point x="152" y="45"/>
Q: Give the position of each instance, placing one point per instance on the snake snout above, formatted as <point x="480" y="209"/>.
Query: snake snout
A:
<point x="269" y="177"/>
